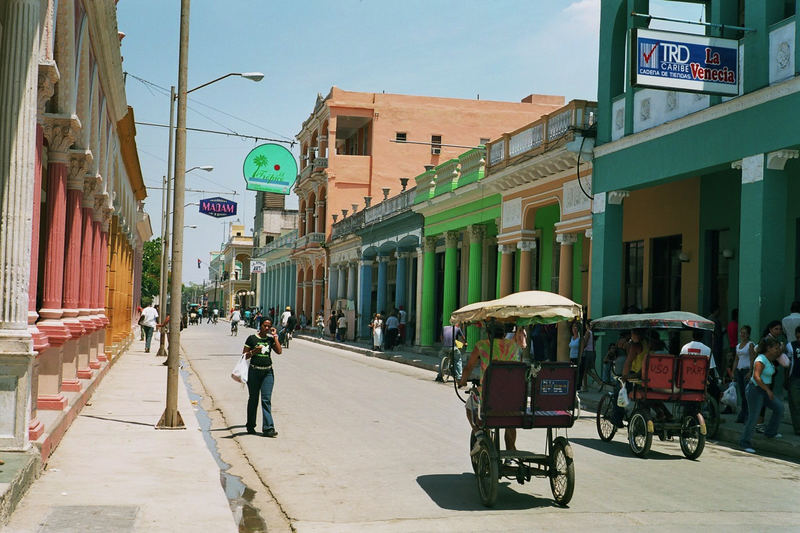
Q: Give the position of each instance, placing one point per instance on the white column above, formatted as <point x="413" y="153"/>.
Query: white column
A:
<point x="19" y="64"/>
<point x="418" y="310"/>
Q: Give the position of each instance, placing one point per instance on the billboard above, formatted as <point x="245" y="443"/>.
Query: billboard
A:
<point x="218" y="207"/>
<point x="270" y="168"/>
<point x="684" y="62"/>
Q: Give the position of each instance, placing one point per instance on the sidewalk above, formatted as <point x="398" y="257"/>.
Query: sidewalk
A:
<point x="728" y="434"/>
<point x="113" y="471"/>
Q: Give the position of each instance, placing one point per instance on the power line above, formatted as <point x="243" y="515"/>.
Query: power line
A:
<point x="227" y="134"/>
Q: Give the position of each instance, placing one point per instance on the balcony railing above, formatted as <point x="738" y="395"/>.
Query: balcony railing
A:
<point x="309" y="238"/>
<point x="347" y="225"/>
<point x="284" y="241"/>
<point x="544" y="134"/>
<point x="390" y="207"/>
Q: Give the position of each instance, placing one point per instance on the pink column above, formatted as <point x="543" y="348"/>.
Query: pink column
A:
<point x="85" y="297"/>
<point x="69" y="376"/>
<point x="94" y="268"/>
<point x="50" y="360"/>
<point x="100" y="288"/>
<point x="40" y="342"/>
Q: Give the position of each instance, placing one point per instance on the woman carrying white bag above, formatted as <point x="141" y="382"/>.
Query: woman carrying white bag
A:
<point x="255" y="369"/>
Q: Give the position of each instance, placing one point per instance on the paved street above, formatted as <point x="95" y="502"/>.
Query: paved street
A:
<point x="371" y="445"/>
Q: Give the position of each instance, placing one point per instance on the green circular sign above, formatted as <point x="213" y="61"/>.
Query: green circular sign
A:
<point x="270" y="168"/>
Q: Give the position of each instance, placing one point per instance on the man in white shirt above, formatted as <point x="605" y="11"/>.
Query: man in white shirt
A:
<point x="696" y="347"/>
<point x="148" y="321"/>
<point x="791" y="321"/>
<point x="285" y="316"/>
<point x="236" y="316"/>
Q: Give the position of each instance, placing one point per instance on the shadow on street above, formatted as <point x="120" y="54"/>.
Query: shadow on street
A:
<point x="459" y="492"/>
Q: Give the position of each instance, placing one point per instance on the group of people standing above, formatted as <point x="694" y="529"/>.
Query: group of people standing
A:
<point x="389" y="333"/>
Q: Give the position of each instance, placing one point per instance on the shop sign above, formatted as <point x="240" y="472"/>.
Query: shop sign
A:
<point x="270" y="168"/>
<point x="258" y="267"/>
<point x="684" y="62"/>
<point x="218" y="207"/>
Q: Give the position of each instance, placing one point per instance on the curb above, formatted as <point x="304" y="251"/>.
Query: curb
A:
<point x="17" y="475"/>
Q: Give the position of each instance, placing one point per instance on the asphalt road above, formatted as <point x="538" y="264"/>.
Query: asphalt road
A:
<point x="369" y="445"/>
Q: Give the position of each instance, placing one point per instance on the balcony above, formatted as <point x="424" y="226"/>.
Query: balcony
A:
<point x="347" y="225"/>
<point x="547" y="133"/>
<point x="285" y="241"/>
<point x="389" y="208"/>
<point x="309" y="238"/>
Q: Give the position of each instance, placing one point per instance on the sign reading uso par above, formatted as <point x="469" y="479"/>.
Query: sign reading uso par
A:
<point x="218" y="207"/>
<point x="683" y="62"/>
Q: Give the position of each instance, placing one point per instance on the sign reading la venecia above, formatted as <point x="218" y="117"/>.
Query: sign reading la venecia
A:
<point x="684" y="62"/>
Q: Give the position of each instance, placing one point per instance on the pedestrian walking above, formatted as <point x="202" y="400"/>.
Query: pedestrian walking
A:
<point x="148" y="321"/>
<point x="332" y="325"/>
<point x="759" y="393"/>
<point x="587" y="358"/>
<point x="139" y="321"/>
<point x="258" y="348"/>
<point x="320" y="325"/>
<point x="402" y="318"/>
<point x="341" y="327"/>
<point x="377" y="332"/>
<point x="392" y="331"/>
<point x="740" y="370"/>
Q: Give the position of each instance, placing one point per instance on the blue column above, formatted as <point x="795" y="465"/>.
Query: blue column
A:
<point x="333" y="283"/>
<point x="365" y="305"/>
<point x="383" y="267"/>
<point x="400" y="287"/>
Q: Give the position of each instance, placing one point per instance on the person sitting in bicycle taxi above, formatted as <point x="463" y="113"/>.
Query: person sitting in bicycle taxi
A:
<point x="503" y="350"/>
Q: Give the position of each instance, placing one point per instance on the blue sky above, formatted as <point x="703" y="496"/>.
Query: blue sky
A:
<point x="500" y="50"/>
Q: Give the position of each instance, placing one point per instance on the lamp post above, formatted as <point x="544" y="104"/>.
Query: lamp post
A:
<point x="166" y="209"/>
<point x="171" y="419"/>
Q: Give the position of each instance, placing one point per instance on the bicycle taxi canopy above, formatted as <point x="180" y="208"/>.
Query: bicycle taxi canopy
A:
<point x="668" y="320"/>
<point x="522" y="308"/>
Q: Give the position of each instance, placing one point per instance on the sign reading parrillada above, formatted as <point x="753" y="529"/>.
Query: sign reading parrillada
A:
<point x="683" y="62"/>
<point x="270" y="168"/>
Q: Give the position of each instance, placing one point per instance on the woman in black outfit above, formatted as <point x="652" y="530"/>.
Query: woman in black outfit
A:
<point x="258" y="349"/>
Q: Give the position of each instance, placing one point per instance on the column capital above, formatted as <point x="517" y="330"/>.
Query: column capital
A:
<point x="365" y="262"/>
<point x="526" y="246"/>
<point x="506" y="248"/>
<point x="777" y="160"/>
<point x="566" y="239"/>
<point x="588" y="233"/>
<point x="48" y="77"/>
<point x="451" y="239"/>
<point x="477" y="232"/>
<point x="430" y="243"/>
<point x="616" y="197"/>
<point x="100" y="203"/>
<point x="382" y="258"/>
<point x="79" y="161"/>
<point x="60" y="132"/>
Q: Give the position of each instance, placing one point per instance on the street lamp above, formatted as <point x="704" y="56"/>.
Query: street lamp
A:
<point x="166" y="209"/>
<point x="191" y="226"/>
<point x="171" y="417"/>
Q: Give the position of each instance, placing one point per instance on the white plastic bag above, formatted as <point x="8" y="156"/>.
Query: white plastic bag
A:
<point x="622" y="397"/>
<point x="240" y="370"/>
<point x="729" y="396"/>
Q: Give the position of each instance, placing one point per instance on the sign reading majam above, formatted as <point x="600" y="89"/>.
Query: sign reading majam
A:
<point x="218" y="207"/>
<point x="270" y="168"/>
<point x="683" y="62"/>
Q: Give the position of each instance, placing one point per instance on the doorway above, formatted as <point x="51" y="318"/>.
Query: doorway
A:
<point x="666" y="273"/>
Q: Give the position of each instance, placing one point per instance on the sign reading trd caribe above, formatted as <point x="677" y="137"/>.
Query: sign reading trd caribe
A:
<point x="218" y="207"/>
<point x="270" y="168"/>
<point x="683" y="62"/>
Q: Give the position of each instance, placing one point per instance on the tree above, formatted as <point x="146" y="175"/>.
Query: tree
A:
<point x="151" y="269"/>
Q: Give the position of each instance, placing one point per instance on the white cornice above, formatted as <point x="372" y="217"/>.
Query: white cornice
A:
<point x="102" y="16"/>
<point x="724" y="109"/>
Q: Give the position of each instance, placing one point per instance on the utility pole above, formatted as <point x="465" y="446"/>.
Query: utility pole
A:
<point x="171" y="419"/>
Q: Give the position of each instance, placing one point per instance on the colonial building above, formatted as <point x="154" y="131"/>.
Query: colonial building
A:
<point x="355" y="147"/>
<point x="71" y="219"/>
<point x="234" y="270"/>
<point x="695" y="194"/>
<point x="275" y="233"/>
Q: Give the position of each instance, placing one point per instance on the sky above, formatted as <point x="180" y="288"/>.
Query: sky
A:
<point x="501" y="50"/>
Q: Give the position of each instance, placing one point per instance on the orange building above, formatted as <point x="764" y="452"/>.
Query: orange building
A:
<point x="357" y="147"/>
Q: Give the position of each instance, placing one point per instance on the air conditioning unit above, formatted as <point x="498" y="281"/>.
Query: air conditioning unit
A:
<point x="436" y="150"/>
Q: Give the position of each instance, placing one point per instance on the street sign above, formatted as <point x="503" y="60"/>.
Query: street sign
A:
<point x="258" y="267"/>
<point x="684" y="62"/>
<point x="270" y="168"/>
<point x="218" y="207"/>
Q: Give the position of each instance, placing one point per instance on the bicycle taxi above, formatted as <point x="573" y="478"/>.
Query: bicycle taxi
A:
<point x="667" y="399"/>
<point x="520" y="395"/>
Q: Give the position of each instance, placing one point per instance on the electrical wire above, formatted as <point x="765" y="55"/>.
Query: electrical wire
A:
<point x="583" y="140"/>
